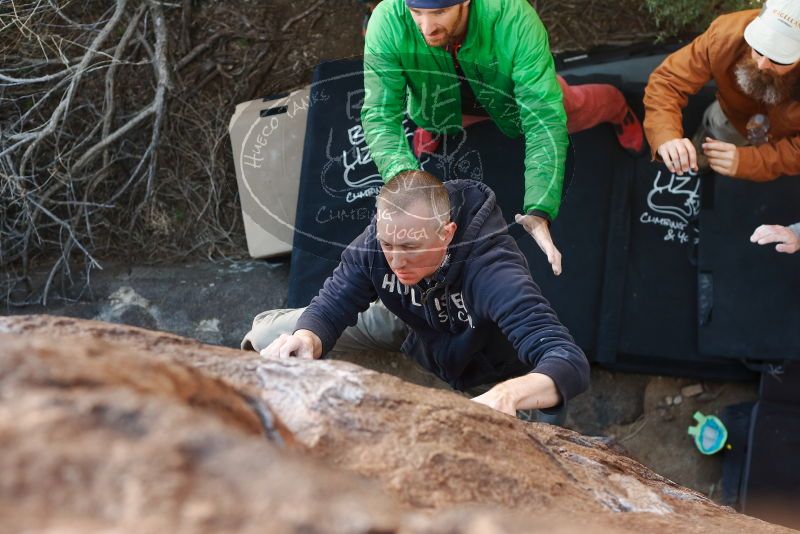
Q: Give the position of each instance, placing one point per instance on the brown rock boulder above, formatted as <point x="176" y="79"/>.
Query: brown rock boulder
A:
<point x="80" y="365"/>
<point x="432" y="449"/>
<point x="94" y="437"/>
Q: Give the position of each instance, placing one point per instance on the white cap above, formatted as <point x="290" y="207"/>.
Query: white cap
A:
<point x="775" y="33"/>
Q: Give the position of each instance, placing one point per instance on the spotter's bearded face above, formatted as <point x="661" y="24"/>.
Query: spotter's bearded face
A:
<point x="440" y="27"/>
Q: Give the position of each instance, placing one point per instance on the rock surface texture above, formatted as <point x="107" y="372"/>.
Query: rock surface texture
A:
<point x="107" y="426"/>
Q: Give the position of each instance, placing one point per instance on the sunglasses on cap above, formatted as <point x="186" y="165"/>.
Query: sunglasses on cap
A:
<point x="772" y="60"/>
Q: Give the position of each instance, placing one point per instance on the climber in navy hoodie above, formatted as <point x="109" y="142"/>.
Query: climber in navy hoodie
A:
<point x="453" y="291"/>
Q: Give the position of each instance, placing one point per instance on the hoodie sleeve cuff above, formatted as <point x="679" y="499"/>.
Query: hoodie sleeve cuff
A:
<point x="570" y="372"/>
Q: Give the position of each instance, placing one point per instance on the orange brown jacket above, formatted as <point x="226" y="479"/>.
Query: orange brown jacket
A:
<point x="714" y="55"/>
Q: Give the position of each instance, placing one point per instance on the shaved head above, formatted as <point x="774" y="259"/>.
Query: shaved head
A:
<point x="418" y="193"/>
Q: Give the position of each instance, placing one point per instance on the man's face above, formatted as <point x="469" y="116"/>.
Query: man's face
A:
<point x="439" y="26"/>
<point x="413" y="242"/>
<point x="763" y="63"/>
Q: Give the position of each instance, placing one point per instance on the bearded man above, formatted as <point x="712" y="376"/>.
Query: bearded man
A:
<point x="752" y="130"/>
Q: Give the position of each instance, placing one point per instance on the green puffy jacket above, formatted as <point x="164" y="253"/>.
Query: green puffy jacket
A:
<point x="506" y="58"/>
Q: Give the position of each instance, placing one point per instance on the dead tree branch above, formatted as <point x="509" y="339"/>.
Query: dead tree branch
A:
<point x="113" y="132"/>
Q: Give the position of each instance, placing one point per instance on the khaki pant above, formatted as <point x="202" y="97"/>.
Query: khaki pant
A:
<point x="715" y="124"/>
<point x="377" y="329"/>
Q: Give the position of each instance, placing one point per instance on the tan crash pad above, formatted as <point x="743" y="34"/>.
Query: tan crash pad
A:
<point x="267" y="137"/>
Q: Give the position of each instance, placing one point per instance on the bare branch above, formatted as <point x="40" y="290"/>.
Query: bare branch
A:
<point x="89" y="161"/>
<point x="289" y="23"/>
<point x="80" y="69"/>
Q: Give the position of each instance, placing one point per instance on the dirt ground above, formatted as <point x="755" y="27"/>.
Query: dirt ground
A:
<point x="648" y="417"/>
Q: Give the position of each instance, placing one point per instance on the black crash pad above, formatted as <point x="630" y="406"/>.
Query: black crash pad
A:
<point x="627" y="228"/>
<point x="750" y="294"/>
<point x="771" y="485"/>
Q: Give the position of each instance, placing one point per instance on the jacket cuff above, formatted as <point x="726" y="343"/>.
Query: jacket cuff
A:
<point x="396" y="168"/>
<point x="749" y="165"/>
<point x="570" y="372"/>
<point x="540" y="213"/>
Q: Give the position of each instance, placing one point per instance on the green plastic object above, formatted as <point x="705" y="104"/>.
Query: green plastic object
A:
<point x="709" y="434"/>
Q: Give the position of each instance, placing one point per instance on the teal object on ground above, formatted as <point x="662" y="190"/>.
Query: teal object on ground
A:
<point x="709" y="434"/>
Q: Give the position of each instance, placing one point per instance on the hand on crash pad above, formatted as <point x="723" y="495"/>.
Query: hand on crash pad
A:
<point x="679" y="155"/>
<point x="788" y="241"/>
<point x="302" y="344"/>
<point x="539" y="228"/>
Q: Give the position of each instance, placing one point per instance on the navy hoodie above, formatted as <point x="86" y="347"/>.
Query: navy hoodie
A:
<point x="479" y="319"/>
